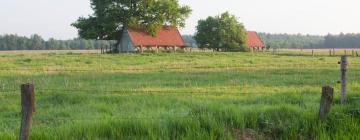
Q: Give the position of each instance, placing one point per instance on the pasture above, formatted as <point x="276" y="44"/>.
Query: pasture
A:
<point x="176" y="96"/>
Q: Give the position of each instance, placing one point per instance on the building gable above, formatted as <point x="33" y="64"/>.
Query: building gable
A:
<point x="253" y="40"/>
<point x="126" y="44"/>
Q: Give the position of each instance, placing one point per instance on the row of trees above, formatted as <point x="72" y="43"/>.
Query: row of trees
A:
<point x="292" y="41"/>
<point x="342" y="41"/>
<point x="36" y="42"/>
<point x="311" y="41"/>
<point x="300" y="41"/>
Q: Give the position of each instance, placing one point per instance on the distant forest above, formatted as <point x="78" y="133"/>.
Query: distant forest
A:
<point x="189" y="41"/>
<point x="311" y="41"/>
<point x="299" y="41"/>
<point x="292" y="41"/>
<point x="36" y="42"/>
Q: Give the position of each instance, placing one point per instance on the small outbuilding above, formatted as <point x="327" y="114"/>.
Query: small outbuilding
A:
<point x="253" y="41"/>
<point x="137" y="39"/>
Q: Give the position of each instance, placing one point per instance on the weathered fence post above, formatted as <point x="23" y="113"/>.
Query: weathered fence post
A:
<point x="312" y="53"/>
<point x="326" y="102"/>
<point x="343" y="68"/>
<point x="330" y="52"/>
<point x="27" y="110"/>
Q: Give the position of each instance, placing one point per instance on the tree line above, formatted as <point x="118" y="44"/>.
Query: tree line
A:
<point x="189" y="41"/>
<point x="36" y="42"/>
<point x="342" y="40"/>
<point x="299" y="41"/>
<point x="296" y="41"/>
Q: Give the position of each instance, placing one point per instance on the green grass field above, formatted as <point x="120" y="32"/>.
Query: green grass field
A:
<point x="176" y="96"/>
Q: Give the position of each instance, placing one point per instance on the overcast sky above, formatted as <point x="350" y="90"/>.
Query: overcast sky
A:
<point x="52" y="18"/>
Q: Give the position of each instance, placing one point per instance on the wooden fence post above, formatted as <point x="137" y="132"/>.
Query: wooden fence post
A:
<point x="330" y="52"/>
<point x="312" y="53"/>
<point x="326" y="102"/>
<point x="27" y="110"/>
<point x="343" y="68"/>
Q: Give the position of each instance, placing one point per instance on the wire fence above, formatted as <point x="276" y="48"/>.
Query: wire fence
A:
<point x="207" y="90"/>
<point x="57" y="119"/>
<point x="166" y="68"/>
<point x="96" y="92"/>
<point x="332" y="52"/>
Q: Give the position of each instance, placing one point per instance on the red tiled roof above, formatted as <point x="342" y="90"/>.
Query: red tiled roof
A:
<point x="166" y="36"/>
<point x="254" y="40"/>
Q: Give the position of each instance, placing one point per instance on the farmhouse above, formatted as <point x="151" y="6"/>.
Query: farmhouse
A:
<point x="253" y="41"/>
<point x="138" y="40"/>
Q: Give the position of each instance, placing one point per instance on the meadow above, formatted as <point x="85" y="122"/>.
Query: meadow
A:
<point x="201" y="95"/>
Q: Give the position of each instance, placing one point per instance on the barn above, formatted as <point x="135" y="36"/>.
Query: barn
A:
<point x="137" y="39"/>
<point x="253" y="41"/>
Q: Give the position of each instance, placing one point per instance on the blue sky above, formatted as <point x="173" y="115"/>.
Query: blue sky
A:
<point x="52" y="18"/>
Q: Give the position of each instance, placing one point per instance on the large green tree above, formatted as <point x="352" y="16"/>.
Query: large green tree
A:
<point x="111" y="17"/>
<point x="222" y="32"/>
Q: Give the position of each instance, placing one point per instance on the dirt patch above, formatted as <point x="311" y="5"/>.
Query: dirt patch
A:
<point x="243" y="134"/>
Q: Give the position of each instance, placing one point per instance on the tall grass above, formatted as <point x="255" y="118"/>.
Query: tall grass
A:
<point x="176" y="96"/>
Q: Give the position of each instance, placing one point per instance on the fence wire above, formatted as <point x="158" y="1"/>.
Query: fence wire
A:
<point x="202" y="87"/>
